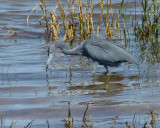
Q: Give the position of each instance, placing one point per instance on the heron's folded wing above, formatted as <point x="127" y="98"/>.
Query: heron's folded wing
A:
<point x="108" y="53"/>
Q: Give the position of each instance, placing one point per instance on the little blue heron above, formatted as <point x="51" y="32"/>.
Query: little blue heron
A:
<point x="99" y="50"/>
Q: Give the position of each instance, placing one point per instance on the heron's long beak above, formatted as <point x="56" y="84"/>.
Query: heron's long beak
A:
<point x="49" y="59"/>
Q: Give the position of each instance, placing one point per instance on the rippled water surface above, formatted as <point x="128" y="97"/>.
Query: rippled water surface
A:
<point x="28" y="93"/>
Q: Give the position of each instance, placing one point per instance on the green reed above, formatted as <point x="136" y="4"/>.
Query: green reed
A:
<point x="150" y="26"/>
<point x="148" y="31"/>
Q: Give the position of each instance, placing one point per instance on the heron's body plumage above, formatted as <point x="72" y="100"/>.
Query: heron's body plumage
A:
<point x="99" y="50"/>
<point x="106" y="53"/>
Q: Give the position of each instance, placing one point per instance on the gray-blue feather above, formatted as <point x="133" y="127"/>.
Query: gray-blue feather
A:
<point x="106" y="53"/>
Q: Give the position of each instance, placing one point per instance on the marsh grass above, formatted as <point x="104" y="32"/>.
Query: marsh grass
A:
<point x="148" y="31"/>
<point x="77" y="20"/>
<point x="122" y="13"/>
<point x="148" y="124"/>
<point x="87" y="122"/>
<point x="112" y="28"/>
<point x="150" y="23"/>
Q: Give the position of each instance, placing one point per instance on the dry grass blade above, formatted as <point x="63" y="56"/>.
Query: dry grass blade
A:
<point x="69" y="121"/>
<point x="43" y="8"/>
<point x="34" y="9"/>
<point x="80" y="8"/>
<point x="10" y="33"/>
<point x="62" y="13"/>
<point x="116" y="28"/>
<point x="54" y="25"/>
<point x="29" y="125"/>
<point x="85" y="120"/>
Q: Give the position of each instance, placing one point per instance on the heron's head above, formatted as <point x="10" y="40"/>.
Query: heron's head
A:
<point x="50" y="51"/>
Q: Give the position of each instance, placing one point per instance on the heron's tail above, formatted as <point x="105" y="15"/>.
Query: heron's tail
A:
<point x="131" y="59"/>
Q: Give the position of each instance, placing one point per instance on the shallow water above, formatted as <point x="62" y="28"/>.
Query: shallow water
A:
<point x="28" y="93"/>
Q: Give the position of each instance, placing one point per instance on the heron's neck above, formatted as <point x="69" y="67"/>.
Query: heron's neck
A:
<point x="67" y="50"/>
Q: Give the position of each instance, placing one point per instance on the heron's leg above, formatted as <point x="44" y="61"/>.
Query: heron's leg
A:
<point x="94" y="66"/>
<point x="106" y="68"/>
